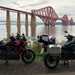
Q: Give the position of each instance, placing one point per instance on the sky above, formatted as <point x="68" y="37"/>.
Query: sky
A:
<point x="61" y="6"/>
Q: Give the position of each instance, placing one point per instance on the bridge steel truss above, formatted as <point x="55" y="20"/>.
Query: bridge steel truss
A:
<point x="47" y="15"/>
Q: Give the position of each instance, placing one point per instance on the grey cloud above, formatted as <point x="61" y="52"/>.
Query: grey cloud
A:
<point x="36" y="4"/>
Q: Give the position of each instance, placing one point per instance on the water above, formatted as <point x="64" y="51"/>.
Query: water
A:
<point x="57" y="30"/>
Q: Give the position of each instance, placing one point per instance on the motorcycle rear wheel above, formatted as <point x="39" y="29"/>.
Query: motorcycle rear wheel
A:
<point x="51" y="62"/>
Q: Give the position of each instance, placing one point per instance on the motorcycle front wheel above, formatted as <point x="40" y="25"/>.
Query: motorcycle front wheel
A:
<point x="51" y="62"/>
<point x="28" y="56"/>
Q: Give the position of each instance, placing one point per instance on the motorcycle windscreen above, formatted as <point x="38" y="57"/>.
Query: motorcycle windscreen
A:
<point x="45" y="38"/>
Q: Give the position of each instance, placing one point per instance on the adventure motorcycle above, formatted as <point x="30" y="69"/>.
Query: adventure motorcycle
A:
<point x="46" y="42"/>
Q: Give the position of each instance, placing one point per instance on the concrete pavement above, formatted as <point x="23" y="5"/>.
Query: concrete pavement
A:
<point x="36" y="68"/>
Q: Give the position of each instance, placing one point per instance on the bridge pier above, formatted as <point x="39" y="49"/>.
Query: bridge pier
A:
<point x="47" y="29"/>
<point x="65" y="20"/>
<point x="52" y="30"/>
<point x="18" y="23"/>
<point x="8" y="25"/>
<point x="26" y="24"/>
<point x="33" y="25"/>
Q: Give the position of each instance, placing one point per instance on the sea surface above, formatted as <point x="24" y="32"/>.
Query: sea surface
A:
<point x="57" y="30"/>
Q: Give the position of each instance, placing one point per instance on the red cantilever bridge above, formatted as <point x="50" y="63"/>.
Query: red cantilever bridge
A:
<point x="47" y="15"/>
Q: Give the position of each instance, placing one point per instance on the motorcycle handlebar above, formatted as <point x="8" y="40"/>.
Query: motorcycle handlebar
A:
<point x="65" y="36"/>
